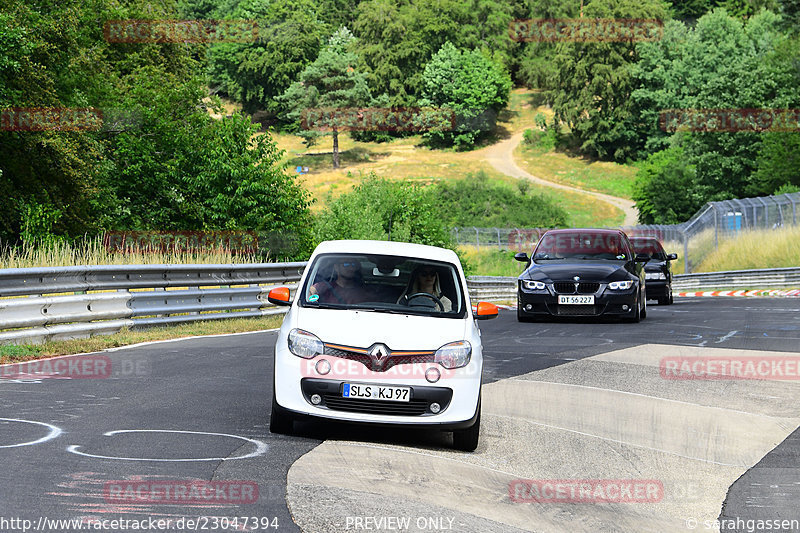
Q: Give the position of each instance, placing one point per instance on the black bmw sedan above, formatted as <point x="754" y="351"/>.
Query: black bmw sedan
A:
<point x="657" y="270"/>
<point x="582" y="272"/>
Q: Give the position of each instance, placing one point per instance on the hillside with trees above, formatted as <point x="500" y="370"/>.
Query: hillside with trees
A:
<point x="177" y="161"/>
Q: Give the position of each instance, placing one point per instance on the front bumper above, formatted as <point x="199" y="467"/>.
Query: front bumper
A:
<point x="657" y="288"/>
<point x="457" y="393"/>
<point x="606" y="303"/>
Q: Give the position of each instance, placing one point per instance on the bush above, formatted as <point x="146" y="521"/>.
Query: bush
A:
<point x="665" y="190"/>
<point x="380" y="209"/>
<point x="477" y="201"/>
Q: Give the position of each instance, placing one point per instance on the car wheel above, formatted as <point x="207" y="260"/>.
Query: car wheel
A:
<point x="523" y="318"/>
<point x="671" y="298"/>
<point x="279" y="422"/>
<point x="667" y="298"/>
<point x="644" y="308"/>
<point x="466" y="440"/>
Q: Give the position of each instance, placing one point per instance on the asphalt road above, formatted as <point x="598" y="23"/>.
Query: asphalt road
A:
<point x="197" y="410"/>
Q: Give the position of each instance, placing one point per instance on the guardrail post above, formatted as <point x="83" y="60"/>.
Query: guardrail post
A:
<point x="686" y="268"/>
<point x="794" y="208"/>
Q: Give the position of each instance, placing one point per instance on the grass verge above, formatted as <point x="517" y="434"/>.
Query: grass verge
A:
<point x="580" y="172"/>
<point x="15" y="353"/>
<point x="90" y="251"/>
<point x="779" y="248"/>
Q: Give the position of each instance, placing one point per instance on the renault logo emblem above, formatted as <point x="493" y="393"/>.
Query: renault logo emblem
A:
<point x="577" y="278"/>
<point x="378" y="353"/>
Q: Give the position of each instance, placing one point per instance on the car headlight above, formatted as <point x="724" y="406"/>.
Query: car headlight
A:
<point x="304" y="344"/>
<point x="533" y="285"/>
<point x="454" y="355"/>
<point x="654" y="275"/>
<point x="620" y="285"/>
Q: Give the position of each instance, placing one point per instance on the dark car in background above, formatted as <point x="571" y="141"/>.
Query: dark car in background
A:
<point x="657" y="270"/>
<point x="582" y="272"/>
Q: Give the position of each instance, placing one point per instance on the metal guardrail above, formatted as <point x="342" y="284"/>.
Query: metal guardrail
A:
<point x="763" y="278"/>
<point x="34" y="307"/>
<point x="505" y="288"/>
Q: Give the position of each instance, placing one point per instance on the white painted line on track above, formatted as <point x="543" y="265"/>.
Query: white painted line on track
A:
<point x="261" y="447"/>
<point x="54" y="432"/>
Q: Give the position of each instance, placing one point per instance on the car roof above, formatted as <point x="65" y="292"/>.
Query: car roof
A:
<point x="580" y="230"/>
<point x="422" y="251"/>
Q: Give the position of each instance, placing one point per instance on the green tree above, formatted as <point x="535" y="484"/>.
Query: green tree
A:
<point x="331" y="82"/>
<point x="385" y="210"/>
<point x="291" y="33"/>
<point x="592" y="90"/>
<point x="396" y="38"/>
<point x="471" y="85"/>
<point x="665" y="190"/>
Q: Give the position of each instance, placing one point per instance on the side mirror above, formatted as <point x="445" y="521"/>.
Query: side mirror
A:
<point x="672" y="257"/>
<point x="486" y="311"/>
<point x="522" y="257"/>
<point x="642" y="258"/>
<point x="279" y="296"/>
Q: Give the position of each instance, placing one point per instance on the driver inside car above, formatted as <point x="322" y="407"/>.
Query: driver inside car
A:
<point x="424" y="281"/>
<point x="346" y="288"/>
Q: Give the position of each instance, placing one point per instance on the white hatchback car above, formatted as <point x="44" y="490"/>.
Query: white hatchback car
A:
<point x="381" y="332"/>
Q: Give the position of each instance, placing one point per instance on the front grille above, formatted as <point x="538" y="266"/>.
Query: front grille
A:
<point x="576" y="310"/>
<point x="377" y="407"/>
<point x="588" y="288"/>
<point x="564" y="287"/>
<point x="386" y="363"/>
<point x="569" y="287"/>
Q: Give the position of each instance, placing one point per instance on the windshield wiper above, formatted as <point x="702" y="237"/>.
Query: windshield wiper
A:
<point x="324" y="306"/>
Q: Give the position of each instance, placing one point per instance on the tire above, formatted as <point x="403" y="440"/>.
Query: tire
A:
<point x="644" y="308"/>
<point x="637" y="317"/>
<point x="522" y="318"/>
<point x="279" y="422"/>
<point x="466" y="440"/>
<point x="667" y="298"/>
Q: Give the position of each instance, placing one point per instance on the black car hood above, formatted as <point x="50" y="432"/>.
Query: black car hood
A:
<point x="654" y="266"/>
<point x="566" y="270"/>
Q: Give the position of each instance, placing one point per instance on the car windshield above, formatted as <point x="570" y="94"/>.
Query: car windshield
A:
<point x="650" y="247"/>
<point x="386" y="284"/>
<point x="581" y="246"/>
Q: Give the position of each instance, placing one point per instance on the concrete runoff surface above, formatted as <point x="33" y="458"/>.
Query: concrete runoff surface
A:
<point x="576" y="399"/>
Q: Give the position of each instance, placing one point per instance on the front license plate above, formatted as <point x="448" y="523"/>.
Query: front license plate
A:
<point x="376" y="392"/>
<point x="575" y="300"/>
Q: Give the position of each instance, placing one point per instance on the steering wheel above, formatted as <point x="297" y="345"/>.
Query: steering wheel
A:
<point x="436" y="300"/>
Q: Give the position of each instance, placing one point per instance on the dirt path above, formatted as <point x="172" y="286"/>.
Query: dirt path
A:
<point x="501" y="157"/>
